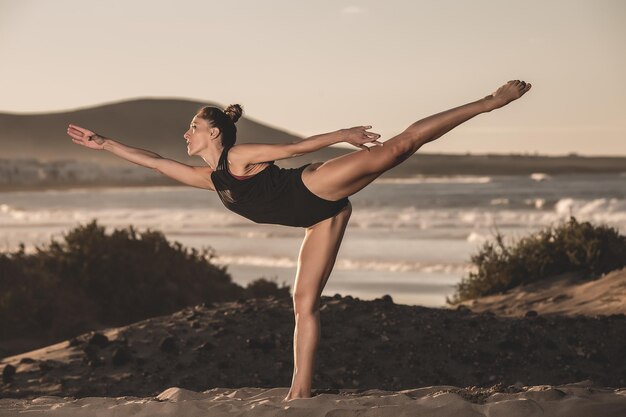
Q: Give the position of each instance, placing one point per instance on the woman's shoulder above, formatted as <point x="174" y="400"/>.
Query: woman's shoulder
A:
<point x="239" y="157"/>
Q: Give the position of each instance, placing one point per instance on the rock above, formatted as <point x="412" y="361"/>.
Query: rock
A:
<point x="96" y="361"/>
<point x="90" y="351"/>
<point x="169" y="345"/>
<point x="75" y="342"/>
<point x="531" y="313"/>
<point x="27" y="360"/>
<point x="46" y="366"/>
<point x="206" y="346"/>
<point x="7" y="373"/>
<point x="121" y="356"/>
<point x="192" y="316"/>
<point x="98" y="339"/>
<point x="387" y="299"/>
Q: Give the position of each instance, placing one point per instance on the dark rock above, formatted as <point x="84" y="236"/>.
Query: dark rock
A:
<point x="46" y="366"/>
<point x="531" y="313"/>
<point x="463" y="308"/>
<point x="96" y="361"/>
<point x="195" y="324"/>
<point x="121" y="356"/>
<point x="206" y="346"/>
<point x="98" y="339"/>
<point x="75" y="342"/>
<point x="90" y="351"/>
<point x="337" y="297"/>
<point x="27" y="360"/>
<point x="193" y="316"/>
<point x="169" y="345"/>
<point x="387" y="298"/>
<point x="7" y="373"/>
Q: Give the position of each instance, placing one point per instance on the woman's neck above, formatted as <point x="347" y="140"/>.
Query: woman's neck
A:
<point x="212" y="156"/>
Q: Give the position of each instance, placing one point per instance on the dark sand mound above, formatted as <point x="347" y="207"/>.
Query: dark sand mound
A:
<point x="365" y="345"/>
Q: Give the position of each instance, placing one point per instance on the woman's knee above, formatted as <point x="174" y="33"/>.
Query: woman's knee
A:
<point x="305" y="305"/>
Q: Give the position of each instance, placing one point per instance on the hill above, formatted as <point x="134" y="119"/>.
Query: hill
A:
<point x="31" y="143"/>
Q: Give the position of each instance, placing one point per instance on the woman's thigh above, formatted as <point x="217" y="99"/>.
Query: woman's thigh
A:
<point x="345" y="175"/>
<point x="316" y="259"/>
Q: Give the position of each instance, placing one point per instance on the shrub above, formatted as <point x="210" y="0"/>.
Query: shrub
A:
<point x="94" y="279"/>
<point x="569" y="247"/>
<point x="263" y="288"/>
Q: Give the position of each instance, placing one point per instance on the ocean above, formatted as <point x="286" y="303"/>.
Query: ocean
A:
<point x="410" y="238"/>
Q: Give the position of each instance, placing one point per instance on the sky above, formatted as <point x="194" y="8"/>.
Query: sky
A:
<point x="318" y="66"/>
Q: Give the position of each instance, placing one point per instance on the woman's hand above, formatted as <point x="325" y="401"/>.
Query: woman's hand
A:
<point x="85" y="137"/>
<point x="359" y="136"/>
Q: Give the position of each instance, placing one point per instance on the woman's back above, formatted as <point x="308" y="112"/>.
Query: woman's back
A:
<point x="273" y="195"/>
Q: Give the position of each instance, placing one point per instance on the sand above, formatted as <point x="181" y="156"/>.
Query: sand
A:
<point x="567" y="294"/>
<point x="376" y="358"/>
<point x="566" y="400"/>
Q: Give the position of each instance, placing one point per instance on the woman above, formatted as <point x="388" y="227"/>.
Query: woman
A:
<point x="314" y="196"/>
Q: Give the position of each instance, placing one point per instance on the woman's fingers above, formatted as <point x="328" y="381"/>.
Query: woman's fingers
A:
<point x="85" y="132"/>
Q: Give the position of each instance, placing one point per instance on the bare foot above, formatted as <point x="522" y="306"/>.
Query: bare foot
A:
<point x="506" y="94"/>
<point x="290" y="397"/>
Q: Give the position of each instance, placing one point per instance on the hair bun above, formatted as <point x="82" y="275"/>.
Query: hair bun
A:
<point x="234" y="111"/>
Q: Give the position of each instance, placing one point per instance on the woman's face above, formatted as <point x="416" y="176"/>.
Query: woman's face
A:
<point x="198" y="136"/>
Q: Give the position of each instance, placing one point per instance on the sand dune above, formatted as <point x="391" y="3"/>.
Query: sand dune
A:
<point x="567" y="294"/>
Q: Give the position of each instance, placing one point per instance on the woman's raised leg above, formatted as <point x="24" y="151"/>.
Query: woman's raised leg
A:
<point x="315" y="263"/>
<point x="345" y="175"/>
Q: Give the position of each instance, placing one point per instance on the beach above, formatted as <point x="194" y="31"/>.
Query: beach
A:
<point x="376" y="358"/>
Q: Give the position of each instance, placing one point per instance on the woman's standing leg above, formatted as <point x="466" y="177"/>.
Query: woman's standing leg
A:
<point x="345" y="175"/>
<point x="315" y="263"/>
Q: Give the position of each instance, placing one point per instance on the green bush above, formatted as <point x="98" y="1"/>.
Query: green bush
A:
<point x="93" y="279"/>
<point x="569" y="247"/>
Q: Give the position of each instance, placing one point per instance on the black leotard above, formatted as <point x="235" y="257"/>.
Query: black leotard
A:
<point x="274" y="195"/>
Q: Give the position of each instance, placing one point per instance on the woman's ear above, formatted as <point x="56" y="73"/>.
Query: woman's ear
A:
<point x="214" y="133"/>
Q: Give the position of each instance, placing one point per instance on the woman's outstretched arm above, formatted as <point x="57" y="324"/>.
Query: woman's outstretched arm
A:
<point x="252" y="153"/>
<point x="199" y="177"/>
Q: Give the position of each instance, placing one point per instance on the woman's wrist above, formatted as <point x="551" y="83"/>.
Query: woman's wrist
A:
<point x="104" y="142"/>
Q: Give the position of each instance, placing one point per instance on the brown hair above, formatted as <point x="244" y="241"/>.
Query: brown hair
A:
<point x="224" y="121"/>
